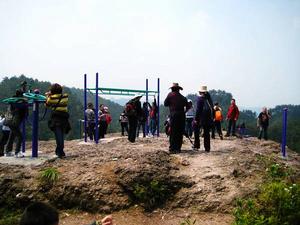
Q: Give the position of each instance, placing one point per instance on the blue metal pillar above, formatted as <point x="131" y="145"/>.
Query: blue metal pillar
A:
<point x="147" y="99"/>
<point x="35" y="128"/>
<point x="158" y="113"/>
<point x="85" y="106"/>
<point x="284" y="128"/>
<point x="96" y="109"/>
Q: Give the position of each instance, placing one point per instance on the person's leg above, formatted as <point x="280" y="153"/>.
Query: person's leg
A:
<point x="197" y="137"/>
<point x="19" y="138"/>
<point x="206" y="139"/>
<point x="59" y="138"/>
<point x="218" y="127"/>
<point x="138" y="129"/>
<point x="229" y="127"/>
<point x="11" y="139"/>
<point x="122" y="129"/>
<point x="4" y="139"/>
<point x="144" y="128"/>
<point x="266" y="133"/>
<point x="213" y="128"/>
<point x="233" y="127"/>
<point x="260" y="132"/>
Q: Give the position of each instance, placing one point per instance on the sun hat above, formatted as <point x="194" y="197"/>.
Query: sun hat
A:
<point x="176" y="86"/>
<point x="203" y="89"/>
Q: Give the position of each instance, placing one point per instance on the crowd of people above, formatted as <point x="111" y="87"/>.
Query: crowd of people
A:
<point x="184" y="118"/>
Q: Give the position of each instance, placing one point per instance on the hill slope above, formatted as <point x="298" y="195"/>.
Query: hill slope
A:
<point x="115" y="175"/>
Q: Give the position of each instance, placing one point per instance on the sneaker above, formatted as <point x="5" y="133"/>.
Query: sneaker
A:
<point x="19" y="155"/>
<point x="8" y="154"/>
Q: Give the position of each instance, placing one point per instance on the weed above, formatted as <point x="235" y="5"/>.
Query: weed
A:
<point x="49" y="176"/>
<point x="151" y="194"/>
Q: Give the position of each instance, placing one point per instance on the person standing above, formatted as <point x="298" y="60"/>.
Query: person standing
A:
<point x="189" y="117"/>
<point x="59" y="119"/>
<point x="203" y="118"/>
<point x="90" y="116"/>
<point x="102" y="121"/>
<point x="153" y="117"/>
<point x="232" y="117"/>
<point x="177" y="104"/>
<point x="133" y="112"/>
<point x="5" y="134"/>
<point x="124" y="123"/>
<point x="142" y="120"/>
<point x="263" y="123"/>
<point x="17" y="112"/>
<point x="218" y="117"/>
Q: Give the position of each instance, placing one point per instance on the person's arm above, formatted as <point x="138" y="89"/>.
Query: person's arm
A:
<point x="105" y="221"/>
<point x="237" y="113"/>
<point x="167" y="101"/>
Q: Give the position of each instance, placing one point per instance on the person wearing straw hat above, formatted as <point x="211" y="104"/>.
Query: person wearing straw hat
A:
<point x="177" y="104"/>
<point x="203" y="118"/>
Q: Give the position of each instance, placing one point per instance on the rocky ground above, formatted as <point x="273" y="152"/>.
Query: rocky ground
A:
<point x="104" y="178"/>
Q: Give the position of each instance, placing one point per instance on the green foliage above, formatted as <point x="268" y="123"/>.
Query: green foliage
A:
<point x="188" y="221"/>
<point x="277" y="204"/>
<point x="8" y="217"/>
<point x="49" y="176"/>
<point x="151" y="194"/>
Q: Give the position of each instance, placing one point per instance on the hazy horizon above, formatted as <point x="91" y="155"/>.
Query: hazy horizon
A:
<point x="248" y="48"/>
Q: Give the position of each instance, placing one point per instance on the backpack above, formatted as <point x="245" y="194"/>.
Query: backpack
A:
<point x="218" y="115"/>
<point x="207" y="115"/>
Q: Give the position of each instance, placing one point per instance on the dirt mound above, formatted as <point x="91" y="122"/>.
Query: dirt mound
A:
<point x="116" y="175"/>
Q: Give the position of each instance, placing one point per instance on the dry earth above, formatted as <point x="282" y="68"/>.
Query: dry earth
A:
<point x="99" y="178"/>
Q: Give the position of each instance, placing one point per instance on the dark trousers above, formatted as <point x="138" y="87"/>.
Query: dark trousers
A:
<point x="133" y="121"/>
<point x="231" y="127"/>
<point x="3" y="141"/>
<point x="206" y="137"/>
<point x="143" y="125"/>
<point x="153" y="126"/>
<point x="15" y="133"/>
<point x="102" y="128"/>
<point x="263" y="130"/>
<point x="189" y="127"/>
<point x="124" y="127"/>
<point x="217" y="125"/>
<point x="59" y="138"/>
<point x="177" y="131"/>
<point x="91" y="130"/>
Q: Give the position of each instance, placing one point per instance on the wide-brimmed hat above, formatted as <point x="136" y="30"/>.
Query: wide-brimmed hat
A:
<point x="203" y="89"/>
<point x="176" y="86"/>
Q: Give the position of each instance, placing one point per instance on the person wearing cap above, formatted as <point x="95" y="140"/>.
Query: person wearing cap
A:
<point x="232" y="117"/>
<point x="203" y="118"/>
<point x="133" y="111"/>
<point x="189" y="117"/>
<point x="177" y="104"/>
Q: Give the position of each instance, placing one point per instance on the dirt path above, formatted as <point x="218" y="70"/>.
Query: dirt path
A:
<point x="89" y="178"/>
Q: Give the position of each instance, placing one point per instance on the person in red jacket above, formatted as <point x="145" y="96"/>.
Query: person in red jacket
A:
<point x="232" y="117"/>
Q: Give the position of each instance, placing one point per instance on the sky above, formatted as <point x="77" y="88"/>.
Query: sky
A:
<point x="248" y="48"/>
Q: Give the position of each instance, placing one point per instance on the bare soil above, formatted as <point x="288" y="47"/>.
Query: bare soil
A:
<point x="90" y="178"/>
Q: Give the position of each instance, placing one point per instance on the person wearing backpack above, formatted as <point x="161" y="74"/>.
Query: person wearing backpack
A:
<point x="218" y="117"/>
<point x="232" y="117"/>
<point x="263" y="123"/>
<point x="17" y="112"/>
<point x="203" y="118"/>
<point x="177" y="104"/>
<point x="133" y="110"/>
